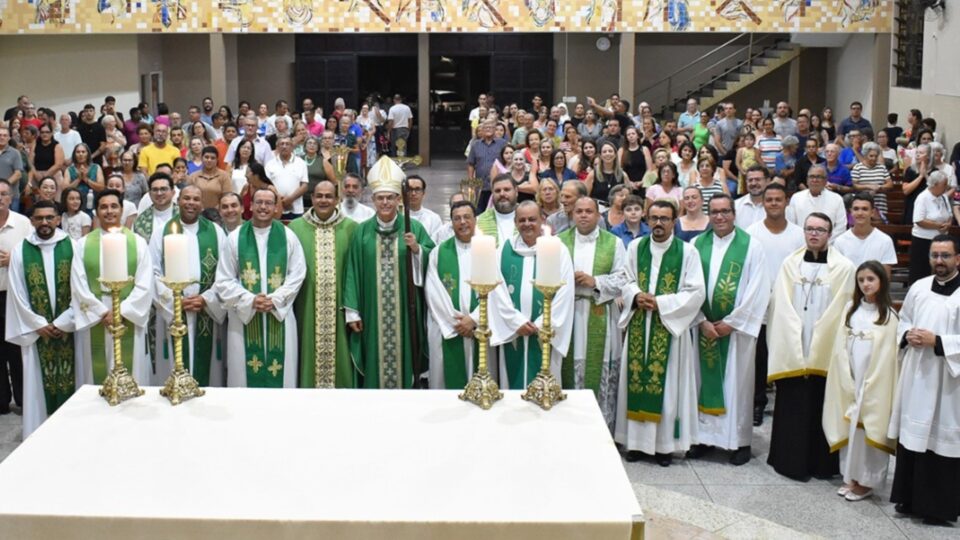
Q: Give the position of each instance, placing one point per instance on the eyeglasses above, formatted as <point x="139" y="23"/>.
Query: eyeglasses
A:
<point x="659" y="219"/>
<point x="721" y="212"/>
<point x="264" y="203"/>
<point x="819" y="176"/>
<point x="159" y="190"/>
<point x="415" y="190"/>
<point x="941" y="256"/>
<point x="44" y="219"/>
<point x="815" y="231"/>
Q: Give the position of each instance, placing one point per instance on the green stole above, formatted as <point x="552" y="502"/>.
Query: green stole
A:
<point x="454" y="357"/>
<point x="713" y="352"/>
<point x="203" y="332"/>
<point x="597" y="320"/>
<point x="264" y="360"/>
<point x="56" y="356"/>
<point x="143" y="225"/>
<point x="487" y="222"/>
<point x="511" y="266"/>
<point x="647" y="365"/>
<point x="91" y="263"/>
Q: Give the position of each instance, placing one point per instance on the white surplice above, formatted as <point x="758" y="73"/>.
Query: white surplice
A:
<point x="605" y="293"/>
<point x="89" y="307"/>
<point x="561" y="312"/>
<point x="430" y="220"/>
<point x="161" y="356"/>
<point x="164" y="304"/>
<point x="443" y="317"/>
<point x="926" y="405"/>
<point x="238" y="302"/>
<point x="734" y="429"/>
<point x="358" y="211"/>
<point x="22" y="324"/>
<point x="677" y="312"/>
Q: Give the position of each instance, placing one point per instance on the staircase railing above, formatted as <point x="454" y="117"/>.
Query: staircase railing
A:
<point x="707" y="69"/>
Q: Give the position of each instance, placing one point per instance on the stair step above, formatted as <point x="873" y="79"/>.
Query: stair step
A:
<point x="720" y="85"/>
<point x="785" y="45"/>
<point x="760" y="61"/>
<point x="733" y="76"/>
<point x="746" y="69"/>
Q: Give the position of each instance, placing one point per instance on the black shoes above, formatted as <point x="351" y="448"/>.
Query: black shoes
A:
<point x="758" y="416"/>
<point x="903" y="508"/>
<point x="663" y="460"/>
<point x="741" y="456"/>
<point x="632" y="456"/>
<point x="698" y="451"/>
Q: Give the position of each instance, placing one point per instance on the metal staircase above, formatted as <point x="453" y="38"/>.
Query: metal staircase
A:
<point x="720" y="73"/>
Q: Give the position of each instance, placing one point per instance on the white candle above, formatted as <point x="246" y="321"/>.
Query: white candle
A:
<point x="176" y="264"/>
<point x="114" y="257"/>
<point x="549" y="251"/>
<point x="483" y="259"/>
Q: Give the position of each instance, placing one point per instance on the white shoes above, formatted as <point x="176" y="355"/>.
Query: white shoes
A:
<point x="853" y="497"/>
<point x="843" y="491"/>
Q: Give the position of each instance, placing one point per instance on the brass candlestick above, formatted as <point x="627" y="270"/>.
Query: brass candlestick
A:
<point x="544" y="390"/>
<point x="119" y="384"/>
<point x="402" y="158"/>
<point x="481" y="389"/>
<point x="340" y="153"/>
<point x="470" y="187"/>
<point x="180" y="385"/>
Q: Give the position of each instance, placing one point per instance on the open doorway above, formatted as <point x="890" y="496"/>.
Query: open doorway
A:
<point x="455" y="83"/>
<point x="380" y="77"/>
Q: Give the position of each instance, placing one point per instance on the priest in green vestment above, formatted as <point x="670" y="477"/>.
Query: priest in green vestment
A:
<point x="498" y="220"/>
<point x="204" y="313"/>
<point x="593" y="361"/>
<point x="375" y="286"/>
<point x="39" y="318"/>
<point x="93" y="304"/>
<point x="259" y="274"/>
<point x="325" y="235"/>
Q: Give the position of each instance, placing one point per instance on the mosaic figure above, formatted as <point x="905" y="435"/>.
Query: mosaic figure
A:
<point x="239" y="10"/>
<point x="738" y="10"/>
<point x="55" y="12"/>
<point x="483" y="12"/>
<point x="166" y="12"/>
<point x="674" y="12"/>
<point x="298" y="12"/>
<point x="542" y="11"/>
<point x="375" y="7"/>
<point x="855" y="11"/>
<point x="605" y="12"/>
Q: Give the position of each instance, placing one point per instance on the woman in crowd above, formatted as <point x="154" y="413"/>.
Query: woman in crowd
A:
<point x="332" y="126"/>
<point x="317" y="168"/>
<point x="525" y="176"/>
<point x="557" y="171"/>
<point x="199" y="130"/>
<point x="660" y="157"/>
<point x="179" y="173"/>
<point x="871" y="175"/>
<point x="589" y="128"/>
<point x="540" y="123"/>
<point x="648" y="132"/>
<point x="263" y="114"/>
<point x="701" y="131"/>
<point x="888" y="155"/>
<point x="785" y="166"/>
<point x="546" y="155"/>
<point x="632" y="226"/>
<point x="939" y="164"/>
<point x="769" y="144"/>
<point x="532" y="150"/>
<point x="606" y="174"/>
<point x="915" y="180"/>
<point x="665" y="186"/>
<point x="667" y="141"/>
<point x="46" y="190"/>
<point x="571" y="141"/>
<point x="707" y="181"/>
<point x="816" y="129"/>
<point x="582" y="163"/>
<point x="135" y="183"/>
<point x="504" y="162"/>
<point x="827" y="126"/>
<point x="257" y="179"/>
<point x="74" y="221"/>
<point x="114" y="134"/>
<point x="687" y="166"/>
<point x="346" y="138"/>
<point x="860" y="385"/>
<point x="548" y="197"/>
<point x="226" y="114"/>
<point x="694" y="220"/>
<point x="84" y="176"/>
<point x="299" y="139"/>
<point x="614" y="214"/>
<point x="635" y="157"/>
<point x="48" y="159"/>
<point x="193" y="155"/>
<point x="932" y="215"/>
<point x="238" y="169"/>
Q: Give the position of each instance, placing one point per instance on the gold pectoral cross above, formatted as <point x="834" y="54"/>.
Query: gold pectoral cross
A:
<point x="255" y="364"/>
<point x="276" y="279"/>
<point x="275" y="368"/>
<point x="250" y="277"/>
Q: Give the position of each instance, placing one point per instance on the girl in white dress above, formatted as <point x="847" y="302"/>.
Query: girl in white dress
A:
<point x="860" y="384"/>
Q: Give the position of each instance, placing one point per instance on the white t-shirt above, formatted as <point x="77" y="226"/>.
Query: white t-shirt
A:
<point x="401" y="115"/>
<point x="73" y="226"/>
<point x="68" y="141"/>
<point x="877" y="246"/>
<point x="287" y="177"/>
<point x="129" y="209"/>
<point x="776" y="247"/>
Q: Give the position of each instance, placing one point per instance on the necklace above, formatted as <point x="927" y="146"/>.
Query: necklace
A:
<point x="807" y="292"/>
<point x="311" y="161"/>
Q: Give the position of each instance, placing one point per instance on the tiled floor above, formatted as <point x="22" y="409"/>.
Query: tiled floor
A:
<point x="707" y="498"/>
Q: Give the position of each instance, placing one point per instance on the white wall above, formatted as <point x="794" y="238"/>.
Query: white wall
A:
<point x="850" y="76"/>
<point x="265" y="68"/>
<point x="66" y="72"/>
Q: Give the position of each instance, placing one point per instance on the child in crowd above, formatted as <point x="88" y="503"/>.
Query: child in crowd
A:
<point x="73" y="222"/>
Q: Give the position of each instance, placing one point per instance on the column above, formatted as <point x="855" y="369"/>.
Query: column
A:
<point x="218" y="69"/>
<point x="628" y="51"/>
<point x="793" y="85"/>
<point x="423" y="97"/>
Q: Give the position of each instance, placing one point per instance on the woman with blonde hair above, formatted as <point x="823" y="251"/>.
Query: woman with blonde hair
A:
<point x="548" y="197"/>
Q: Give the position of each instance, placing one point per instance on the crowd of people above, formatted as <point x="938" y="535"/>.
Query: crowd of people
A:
<point x="704" y="257"/>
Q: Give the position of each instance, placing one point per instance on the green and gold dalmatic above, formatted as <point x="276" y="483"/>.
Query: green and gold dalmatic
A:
<point x="203" y="333"/>
<point x="454" y="357"/>
<point x="91" y="263"/>
<point x="713" y="352"/>
<point x="264" y="360"/>
<point x="597" y="320"/>
<point x="511" y="266"/>
<point x="648" y="364"/>
<point x="56" y="356"/>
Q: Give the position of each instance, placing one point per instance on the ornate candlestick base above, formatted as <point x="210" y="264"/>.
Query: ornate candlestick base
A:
<point x="119" y="384"/>
<point x="544" y="390"/>
<point x="180" y="385"/>
<point x="481" y="389"/>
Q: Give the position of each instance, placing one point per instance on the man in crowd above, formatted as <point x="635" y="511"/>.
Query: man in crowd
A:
<point x="783" y="125"/>
<point x="810" y="157"/>
<point x="657" y="398"/>
<point x="806" y="312"/>
<point x="416" y="189"/>
<point x="281" y="110"/>
<point x="92" y="132"/>
<point x="926" y="410"/>
<point x="749" y="210"/>
<point x="399" y="123"/>
<point x="375" y="286"/>
<point x="520" y="357"/>
<point x="231" y="211"/>
<point x="289" y="175"/>
<point x="598" y="259"/>
<point x="39" y="318"/>
<point x="484" y="153"/>
<point x="499" y="220"/>
<point x="865" y="242"/>
<point x="570" y="193"/>
<point x="158" y="151"/>
<point x="261" y="148"/>
<point x="259" y="274"/>
<point x="689" y="118"/>
<point x="325" y="236"/>
<point x="204" y="310"/>
<point x="67" y="137"/>
<point x="351" y="206"/>
<point x="818" y="199"/>
<point x="728" y="128"/>
<point x="854" y="121"/>
<point x="93" y="306"/>
<point x="737" y="296"/>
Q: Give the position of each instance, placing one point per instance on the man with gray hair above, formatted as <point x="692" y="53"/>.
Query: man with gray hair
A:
<point x="783" y="125"/>
<point x="569" y="193"/>
<point x="818" y="199"/>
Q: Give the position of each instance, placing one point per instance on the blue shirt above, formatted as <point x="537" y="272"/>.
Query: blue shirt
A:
<point x="623" y="233"/>
<point x="688" y="120"/>
<point x="784" y="162"/>
<point x="847" y="158"/>
<point x="849" y="124"/>
<point x="839" y="176"/>
<point x="551" y="174"/>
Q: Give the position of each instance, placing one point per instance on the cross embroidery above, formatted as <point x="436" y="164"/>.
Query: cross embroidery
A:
<point x="276" y="279"/>
<point x="250" y="277"/>
<point x="449" y="283"/>
<point x="274" y="368"/>
<point x="255" y="364"/>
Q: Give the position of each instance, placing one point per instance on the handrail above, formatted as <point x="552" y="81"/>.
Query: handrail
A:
<point x="750" y="55"/>
<point x="702" y="57"/>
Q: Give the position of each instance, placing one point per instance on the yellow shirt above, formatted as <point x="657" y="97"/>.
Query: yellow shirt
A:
<point x="151" y="156"/>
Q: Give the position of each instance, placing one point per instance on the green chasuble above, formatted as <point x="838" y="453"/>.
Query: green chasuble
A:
<point x="318" y="305"/>
<point x="91" y="263"/>
<point x="487" y="222"/>
<point x="713" y="352"/>
<point x="454" y="357"/>
<point x="603" y="256"/>
<point x="375" y="284"/>
<point x="511" y="266"/>
<point x="56" y="355"/>
<point x="209" y="256"/>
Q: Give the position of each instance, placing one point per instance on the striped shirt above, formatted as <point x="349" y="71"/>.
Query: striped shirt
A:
<point x="877" y="176"/>
<point x="769" y="148"/>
